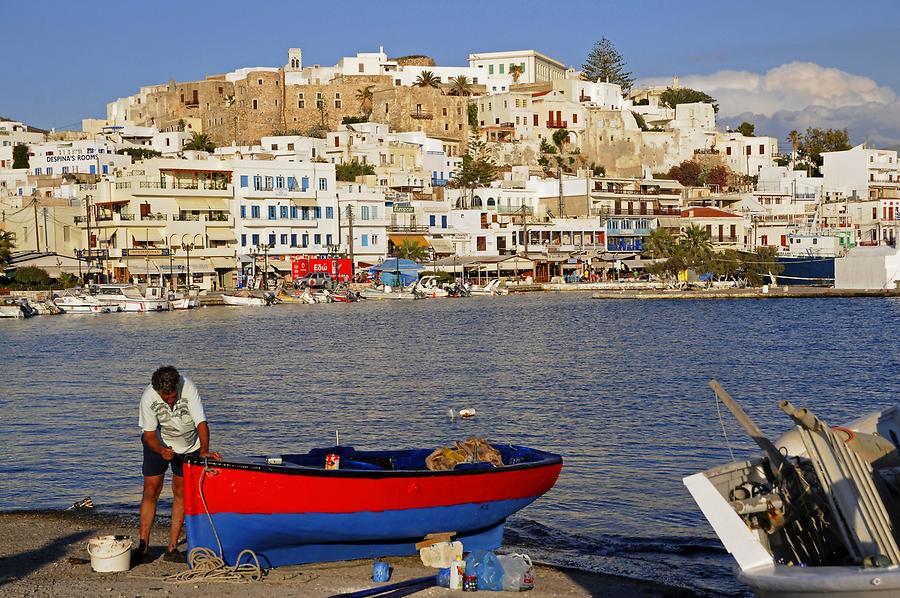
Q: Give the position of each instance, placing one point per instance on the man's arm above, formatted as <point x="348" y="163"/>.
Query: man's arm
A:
<point x="203" y="433"/>
<point x="152" y="440"/>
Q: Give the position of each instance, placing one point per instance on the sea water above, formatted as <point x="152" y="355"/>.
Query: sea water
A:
<point x="619" y="388"/>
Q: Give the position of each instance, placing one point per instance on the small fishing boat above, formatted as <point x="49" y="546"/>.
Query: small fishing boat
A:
<point x="71" y="302"/>
<point x="128" y="297"/>
<point x="492" y="288"/>
<point x="292" y="509"/>
<point x="247" y="299"/>
<point x="17" y="308"/>
<point x="817" y="514"/>
<point x="429" y="287"/>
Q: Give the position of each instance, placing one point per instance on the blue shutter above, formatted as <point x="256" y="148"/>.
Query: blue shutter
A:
<point x="304" y="183"/>
<point x="432" y="220"/>
<point x="244" y="180"/>
<point x="443" y="222"/>
<point x="293" y="240"/>
<point x="243" y="211"/>
<point x="365" y="240"/>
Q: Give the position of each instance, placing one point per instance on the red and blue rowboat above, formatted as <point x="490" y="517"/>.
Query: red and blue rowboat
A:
<point x="379" y="503"/>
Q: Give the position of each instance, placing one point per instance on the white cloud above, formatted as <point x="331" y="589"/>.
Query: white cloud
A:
<point x="797" y="95"/>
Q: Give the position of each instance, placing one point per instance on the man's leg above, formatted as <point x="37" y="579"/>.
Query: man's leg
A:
<point x="177" y="511"/>
<point x="152" y="487"/>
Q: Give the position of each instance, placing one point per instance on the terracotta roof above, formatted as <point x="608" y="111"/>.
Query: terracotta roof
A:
<point x="706" y="213"/>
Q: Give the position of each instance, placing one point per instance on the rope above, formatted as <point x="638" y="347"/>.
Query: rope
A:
<point x="206" y="565"/>
<point x="724" y="431"/>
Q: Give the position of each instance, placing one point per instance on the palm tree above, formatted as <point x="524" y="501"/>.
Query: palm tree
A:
<point x="560" y="139"/>
<point x="6" y="247"/>
<point x="427" y="79"/>
<point x="794" y="138"/>
<point x="200" y="142"/>
<point x="696" y="239"/>
<point x="410" y="249"/>
<point x="516" y="71"/>
<point x="365" y="96"/>
<point x="460" y="86"/>
<point x="660" y="243"/>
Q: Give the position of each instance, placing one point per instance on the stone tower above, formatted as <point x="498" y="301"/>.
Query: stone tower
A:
<point x="295" y="60"/>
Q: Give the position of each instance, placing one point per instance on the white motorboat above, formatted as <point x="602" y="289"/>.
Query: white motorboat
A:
<point x="184" y="299"/>
<point x="17" y="308"/>
<point x="129" y="298"/>
<point x="246" y="299"/>
<point x="492" y="288"/>
<point x="75" y="303"/>
<point x="386" y="292"/>
<point x="817" y="514"/>
<point x="429" y="286"/>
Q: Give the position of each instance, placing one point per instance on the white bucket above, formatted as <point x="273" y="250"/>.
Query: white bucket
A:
<point x="110" y="553"/>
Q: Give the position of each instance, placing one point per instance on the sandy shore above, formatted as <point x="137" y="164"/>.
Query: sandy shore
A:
<point x="43" y="553"/>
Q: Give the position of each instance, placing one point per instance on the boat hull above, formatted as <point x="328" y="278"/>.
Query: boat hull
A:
<point x="782" y="581"/>
<point x="807" y="271"/>
<point x="302" y="514"/>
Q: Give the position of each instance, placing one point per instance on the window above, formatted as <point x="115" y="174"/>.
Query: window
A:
<point x="301" y="103"/>
<point x="328" y="239"/>
<point x="243" y="211"/>
<point x="293" y="240"/>
<point x="295" y="212"/>
<point x="257" y="182"/>
<point x="305" y="213"/>
<point x="304" y="183"/>
<point x="37" y="171"/>
<point x="291" y="181"/>
<point x="748" y="150"/>
<point x="323" y="184"/>
<point x="490" y="69"/>
<point x="443" y="112"/>
<point x="364" y="240"/>
<point x="290" y="147"/>
<point x="243" y="180"/>
<point x="535" y="120"/>
<point x="432" y="220"/>
<point x="762" y="149"/>
<point x="317" y="212"/>
<point x="284" y="239"/>
<point x="272" y="213"/>
<point x="574" y="118"/>
<point x="255" y="104"/>
<point x="728" y="151"/>
<point x="283" y="212"/>
<point x="373" y="212"/>
<point x="269" y="183"/>
<point x="361" y="68"/>
<point x="279" y="181"/>
<point x="501" y="68"/>
<point x="317" y="239"/>
<point x="304" y="240"/>
<point x="254" y="213"/>
<point x="255" y="239"/>
<point x="481" y="243"/>
<point x="259" y="81"/>
<point x="364" y="212"/>
<point x="243" y="240"/>
<point x="443" y="222"/>
<point x="374" y="239"/>
<point x="271" y="239"/>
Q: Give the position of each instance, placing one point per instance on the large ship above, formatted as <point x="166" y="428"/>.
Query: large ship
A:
<point x="808" y="257"/>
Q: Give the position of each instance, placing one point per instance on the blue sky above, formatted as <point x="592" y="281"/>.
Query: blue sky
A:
<point x="67" y="59"/>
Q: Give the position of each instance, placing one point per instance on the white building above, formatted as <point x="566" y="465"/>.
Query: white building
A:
<point x="87" y="156"/>
<point x="365" y="220"/>
<point x="535" y="67"/>
<point x="862" y="172"/>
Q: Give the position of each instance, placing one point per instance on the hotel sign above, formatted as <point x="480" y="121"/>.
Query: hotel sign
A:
<point x="145" y="252"/>
<point x="404" y="210"/>
<point x="89" y="253"/>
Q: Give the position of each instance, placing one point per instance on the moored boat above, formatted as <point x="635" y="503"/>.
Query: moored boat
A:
<point x="247" y="299"/>
<point x="71" y="302"/>
<point x="293" y="510"/>
<point x="817" y="514"/>
<point x="129" y="298"/>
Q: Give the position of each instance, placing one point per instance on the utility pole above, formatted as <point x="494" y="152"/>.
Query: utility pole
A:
<point x="37" y="230"/>
<point x="562" y="199"/>
<point x="350" y="240"/>
<point x="46" y="238"/>
<point x="87" y="219"/>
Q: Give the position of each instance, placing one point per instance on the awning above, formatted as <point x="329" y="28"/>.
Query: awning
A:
<point x="196" y="268"/>
<point x="280" y="266"/>
<point x="220" y="234"/>
<point x="303" y="201"/>
<point x="442" y="245"/>
<point x="190" y="204"/>
<point x="148" y="235"/>
<point x="397" y="239"/>
<point x="222" y="263"/>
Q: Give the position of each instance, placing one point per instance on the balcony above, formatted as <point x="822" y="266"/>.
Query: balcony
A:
<point x="638" y="212"/>
<point x="183" y="189"/>
<point x="557" y="124"/>
<point x="421" y="115"/>
<point x="435" y="182"/>
<point x="407" y="228"/>
<point x="515" y="210"/>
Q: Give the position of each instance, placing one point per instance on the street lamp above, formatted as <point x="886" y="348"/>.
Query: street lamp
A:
<point x="78" y="256"/>
<point x="334" y="252"/>
<point x="187" y="247"/>
<point x="262" y="248"/>
<point x="172" y="251"/>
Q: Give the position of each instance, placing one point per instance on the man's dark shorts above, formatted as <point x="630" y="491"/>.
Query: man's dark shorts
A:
<point x="155" y="465"/>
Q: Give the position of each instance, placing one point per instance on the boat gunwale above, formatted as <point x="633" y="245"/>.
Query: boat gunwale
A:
<point x="550" y="459"/>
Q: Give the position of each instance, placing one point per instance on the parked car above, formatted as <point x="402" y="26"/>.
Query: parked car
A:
<point x="316" y="280"/>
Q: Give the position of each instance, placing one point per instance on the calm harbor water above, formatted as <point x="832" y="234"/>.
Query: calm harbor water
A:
<point x="617" y="387"/>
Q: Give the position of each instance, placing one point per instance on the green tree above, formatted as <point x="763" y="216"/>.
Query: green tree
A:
<point x="139" y="153"/>
<point x="660" y="243"/>
<point x="460" y="86"/>
<point x="817" y="141"/>
<point x="516" y="71"/>
<point x="472" y="113"/>
<point x="687" y="173"/>
<point x="794" y="137"/>
<point x="6" y="247"/>
<point x="695" y="240"/>
<point x="366" y="96"/>
<point x="200" y="142"/>
<point x="317" y="131"/>
<point x="348" y="171"/>
<point x="639" y="119"/>
<point x="20" y="156"/>
<point x="746" y="129"/>
<point x="685" y="95"/>
<point x="760" y="266"/>
<point x="604" y="63"/>
<point x="410" y="249"/>
<point x="477" y="168"/>
<point x="31" y="276"/>
<point x="427" y="79"/>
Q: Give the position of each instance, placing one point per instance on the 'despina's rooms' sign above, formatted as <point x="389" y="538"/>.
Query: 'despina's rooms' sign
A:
<point x="75" y="158"/>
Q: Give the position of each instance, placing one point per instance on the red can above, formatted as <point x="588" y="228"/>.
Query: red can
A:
<point x="332" y="461"/>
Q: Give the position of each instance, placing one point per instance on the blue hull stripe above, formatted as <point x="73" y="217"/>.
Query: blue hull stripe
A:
<point x="291" y="538"/>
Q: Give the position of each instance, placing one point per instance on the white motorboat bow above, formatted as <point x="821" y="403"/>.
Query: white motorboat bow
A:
<point x="71" y="302"/>
<point x="129" y="298"/>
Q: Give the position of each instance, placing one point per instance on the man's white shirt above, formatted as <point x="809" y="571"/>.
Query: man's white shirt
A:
<point x="175" y="426"/>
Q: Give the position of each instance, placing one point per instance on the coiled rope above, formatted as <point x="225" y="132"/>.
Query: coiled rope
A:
<point x="206" y="565"/>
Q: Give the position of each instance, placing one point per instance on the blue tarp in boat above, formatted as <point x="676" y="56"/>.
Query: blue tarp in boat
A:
<point x="408" y="269"/>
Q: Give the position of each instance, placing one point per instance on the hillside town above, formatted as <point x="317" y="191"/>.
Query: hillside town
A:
<point x="515" y="165"/>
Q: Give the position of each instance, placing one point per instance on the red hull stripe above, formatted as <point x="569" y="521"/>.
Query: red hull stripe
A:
<point x="242" y="491"/>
